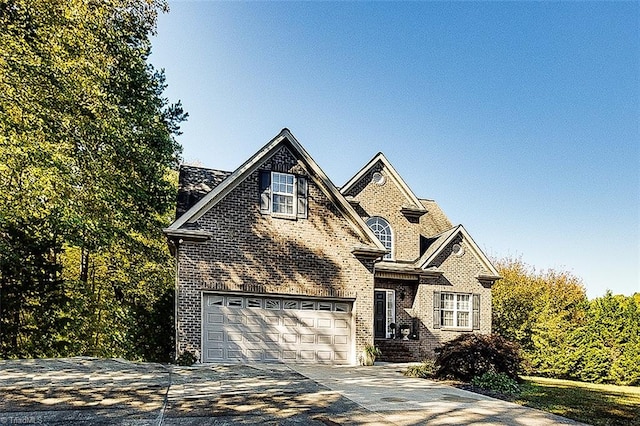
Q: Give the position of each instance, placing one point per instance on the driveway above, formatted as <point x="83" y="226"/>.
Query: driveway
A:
<point x="111" y="391"/>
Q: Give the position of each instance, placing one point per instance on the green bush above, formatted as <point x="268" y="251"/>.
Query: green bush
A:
<point x="471" y="355"/>
<point x="497" y="382"/>
<point x="425" y="370"/>
<point x="186" y="359"/>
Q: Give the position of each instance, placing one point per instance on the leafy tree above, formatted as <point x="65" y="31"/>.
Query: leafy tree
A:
<point x="539" y="310"/>
<point x="562" y="334"/>
<point x="86" y="145"/>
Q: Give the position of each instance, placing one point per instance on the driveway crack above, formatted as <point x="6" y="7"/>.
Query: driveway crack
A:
<point x="160" y="418"/>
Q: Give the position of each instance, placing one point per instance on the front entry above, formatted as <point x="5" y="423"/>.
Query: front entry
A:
<point x="384" y="312"/>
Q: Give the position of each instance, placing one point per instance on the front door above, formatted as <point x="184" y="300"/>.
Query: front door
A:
<point x="380" y="314"/>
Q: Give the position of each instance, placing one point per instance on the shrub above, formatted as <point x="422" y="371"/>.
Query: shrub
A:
<point x="497" y="382"/>
<point x="425" y="370"/>
<point x="186" y="359"/>
<point x="471" y="355"/>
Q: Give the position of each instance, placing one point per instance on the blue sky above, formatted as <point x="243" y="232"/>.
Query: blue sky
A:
<point x="520" y="119"/>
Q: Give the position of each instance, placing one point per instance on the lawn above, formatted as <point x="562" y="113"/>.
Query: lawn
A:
<point x="586" y="402"/>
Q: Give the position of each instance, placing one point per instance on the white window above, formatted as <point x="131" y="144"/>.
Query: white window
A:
<point x="382" y="230"/>
<point x="283" y="194"/>
<point x="455" y="310"/>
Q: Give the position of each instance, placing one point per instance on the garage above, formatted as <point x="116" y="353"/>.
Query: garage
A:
<point x="276" y="329"/>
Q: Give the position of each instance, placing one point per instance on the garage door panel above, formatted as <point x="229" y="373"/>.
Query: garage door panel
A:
<point x="272" y="320"/>
<point x="234" y="337"/>
<point x="289" y="338"/>
<point x="215" y="318"/>
<point x="280" y="330"/>
<point x="235" y="318"/>
<point x="341" y="323"/>
<point x="215" y="336"/>
<point x="325" y="340"/>
<point x="291" y="322"/>
<point x="215" y="353"/>
<point x="271" y="337"/>
<point x="254" y="354"/>
<point x="307" y="322"/>
<point x="253" y="337"/>
<point x="324" y="323"/>
<point x="254" y="320"/>
<point x="307" y="338"/>
<point x="341" y="356"/>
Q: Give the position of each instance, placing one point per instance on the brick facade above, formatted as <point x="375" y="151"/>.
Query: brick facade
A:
<point x="459" y="272"/>
<point x="258" y="253"/>
<point x="252" y="252"/>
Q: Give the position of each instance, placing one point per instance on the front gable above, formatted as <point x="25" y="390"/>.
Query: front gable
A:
<point x="377" y="190"/>
<point x="282" y="154"/>
<point x="456" y="243"/>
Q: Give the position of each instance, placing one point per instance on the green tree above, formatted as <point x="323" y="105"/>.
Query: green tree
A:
<point x="539" y="310"/>
<point x="86" y="145"/>
<point x="607" y="346"/>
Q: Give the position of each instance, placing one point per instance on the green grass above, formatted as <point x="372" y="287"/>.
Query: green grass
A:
<point x="586" y="402"/>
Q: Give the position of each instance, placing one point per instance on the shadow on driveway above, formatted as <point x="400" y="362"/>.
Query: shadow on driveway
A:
<point x="110" y="391"/>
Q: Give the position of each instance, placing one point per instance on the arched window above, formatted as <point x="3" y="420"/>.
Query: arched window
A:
<point x="382" y="230"/>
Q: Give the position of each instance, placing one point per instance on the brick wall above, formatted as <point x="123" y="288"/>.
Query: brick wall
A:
<point x="250" y="251"/>
<point x="459" y="276"/>
<point x="386" y="201"/>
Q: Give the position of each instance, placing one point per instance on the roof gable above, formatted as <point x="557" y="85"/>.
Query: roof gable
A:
<point x="441" y="241"/>
<point x="413" y="201"/>
<point x="284" y="139"/>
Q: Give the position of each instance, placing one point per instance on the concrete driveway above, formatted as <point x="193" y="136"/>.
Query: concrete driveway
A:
<point x="110" y="391"/>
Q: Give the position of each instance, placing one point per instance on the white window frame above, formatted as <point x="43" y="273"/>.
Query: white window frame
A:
<point x="389" y="310"/>
<point x="455" y="309"/>
<point x="292" y="195"/>
<point x="376" y="224"/>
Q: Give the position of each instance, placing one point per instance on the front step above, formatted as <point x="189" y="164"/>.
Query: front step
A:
<point x="397" y="350"/>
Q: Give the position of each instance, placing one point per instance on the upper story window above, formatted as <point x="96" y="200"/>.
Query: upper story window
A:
<point x="382" y="230"/>
<point x="283" y="194"/>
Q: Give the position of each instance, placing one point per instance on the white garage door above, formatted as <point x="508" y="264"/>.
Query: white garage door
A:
<point x="252" y="328"/>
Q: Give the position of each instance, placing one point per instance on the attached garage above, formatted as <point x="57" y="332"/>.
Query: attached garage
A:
<point x="276" y="329"/>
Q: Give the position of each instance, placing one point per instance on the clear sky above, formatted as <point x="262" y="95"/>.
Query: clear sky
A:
<point x="520" y="119"/>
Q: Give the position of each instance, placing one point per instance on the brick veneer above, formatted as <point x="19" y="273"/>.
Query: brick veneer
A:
<point x="459" y="272"/>
<point x="250" y="251"/>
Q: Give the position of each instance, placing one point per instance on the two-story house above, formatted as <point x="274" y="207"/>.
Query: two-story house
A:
<point x="275" y="263"/>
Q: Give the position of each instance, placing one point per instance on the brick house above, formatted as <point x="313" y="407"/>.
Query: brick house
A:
<point x="275" y="263"/>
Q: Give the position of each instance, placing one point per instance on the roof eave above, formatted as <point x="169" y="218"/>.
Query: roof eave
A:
<point x="194" y="235"/>
<point x="368" y="252"/>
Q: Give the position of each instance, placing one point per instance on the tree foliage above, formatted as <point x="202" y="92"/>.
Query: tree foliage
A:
<point x="86" y="148"/>
<point x="563" y="334"/>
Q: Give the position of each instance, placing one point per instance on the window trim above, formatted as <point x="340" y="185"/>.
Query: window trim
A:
<point x="299" y="196"/>
<point x="473" y="311"/>
<point x="378" y="220"/>
<point x="288" y="195"/>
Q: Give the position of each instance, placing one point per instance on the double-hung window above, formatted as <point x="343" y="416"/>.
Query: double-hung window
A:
<point x="456" y="310"/>
<point x="283" y="194"/>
